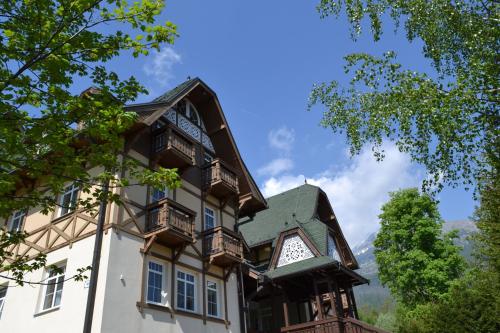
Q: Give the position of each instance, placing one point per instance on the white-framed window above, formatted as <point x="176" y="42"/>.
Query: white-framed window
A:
<point x="68" y="199"/>
<point x="210" y="220"/>
<point x="17" y="221"/>
<point x="212" y="299"/>
<point x="3" y="294"/>
<point x="53" y="289"/>
<point x="158" y="194"/>
<point x="186" y="291"/>
<point x="156" y="283"/>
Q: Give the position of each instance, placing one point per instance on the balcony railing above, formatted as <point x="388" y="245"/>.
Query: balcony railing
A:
<point x="332" y="325"/>
<point x="170" y="221"/>
<point x="222" y="246"/>
<point x="173" y="148"/>
<point x="220" y="179"/>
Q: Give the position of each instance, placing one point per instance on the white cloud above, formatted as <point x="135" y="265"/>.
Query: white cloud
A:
<point x="276" y="166"/>
<point x="160" y="65"/>
<point x="358" y="191"/>
<point x="282" y="138"/>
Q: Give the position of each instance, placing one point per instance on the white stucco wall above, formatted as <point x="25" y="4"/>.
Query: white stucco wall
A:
<point x="121" y="313"/>
<point x="21" y="312"/>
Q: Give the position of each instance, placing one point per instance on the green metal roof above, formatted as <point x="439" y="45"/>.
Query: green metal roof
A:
<point x="287" y="210"/>
<point x="300" y="266"/>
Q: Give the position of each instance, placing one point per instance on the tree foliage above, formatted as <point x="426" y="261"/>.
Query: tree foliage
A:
<point x="446" y="119"/>
<point x="45" y="46"/>
<point x="473" y="301"/>
<point x="50" y="134"/>
<point x="416" y="261"/>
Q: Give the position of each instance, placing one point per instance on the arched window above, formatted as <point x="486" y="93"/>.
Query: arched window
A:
<point x="186" y="108"/>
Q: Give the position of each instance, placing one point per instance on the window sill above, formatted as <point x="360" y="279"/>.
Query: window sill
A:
<point x="154" y="306"/>
<point x="199" y="316"/>
<point x="217" y="320"/>
<point x="40" y="313"/>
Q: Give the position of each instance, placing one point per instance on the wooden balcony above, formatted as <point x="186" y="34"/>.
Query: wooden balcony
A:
<point x="220" y="180"/>
<point x="222" y="246"/>
<point x="173" y="149"/>
<point x="332" y="325"/>
<point x="171" y="223"/>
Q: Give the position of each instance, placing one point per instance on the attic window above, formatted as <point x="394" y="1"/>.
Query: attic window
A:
<point x="186" y="108"/>
<point x="332" y="249"/>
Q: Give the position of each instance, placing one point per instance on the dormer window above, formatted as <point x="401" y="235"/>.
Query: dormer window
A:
<point x="186" y="108"/>
<point x="332" y="248"/>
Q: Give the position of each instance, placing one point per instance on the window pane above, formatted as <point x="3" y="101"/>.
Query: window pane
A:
<point x="209" y="218"/>
<point x="54" y="288"/>
<point x="155" y="282"/>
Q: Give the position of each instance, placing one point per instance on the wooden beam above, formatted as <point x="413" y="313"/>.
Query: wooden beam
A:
<point x="355" y="308"/>
<point x="318" y="301"/>
<point x="149" y="243"/>
<point x="285" y="312"/>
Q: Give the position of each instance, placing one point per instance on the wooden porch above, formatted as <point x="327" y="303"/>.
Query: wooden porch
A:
<point x="333" y="325"/>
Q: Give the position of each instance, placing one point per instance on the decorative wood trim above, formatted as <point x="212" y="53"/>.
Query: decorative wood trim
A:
<point x="281" y="238"/>
<point x="149" y="243"/>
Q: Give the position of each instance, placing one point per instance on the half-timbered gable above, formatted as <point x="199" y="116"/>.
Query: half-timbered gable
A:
<point x="170" y="257"/>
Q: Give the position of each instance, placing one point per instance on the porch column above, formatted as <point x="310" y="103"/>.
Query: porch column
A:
<point x="285" y="311"/>
<point x="353" y="300"/>
<point x="318" y="301"/>
<point x="348" y="297"/>
<point x="338" y="299"/>
<point x="333" y="299"/>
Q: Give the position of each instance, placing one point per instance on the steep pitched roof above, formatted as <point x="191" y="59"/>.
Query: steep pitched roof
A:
<point x="296" y="208"/>
<point x="287" y="210"/>
<point x="251" y="199"/>
<point x="171" y="94"/>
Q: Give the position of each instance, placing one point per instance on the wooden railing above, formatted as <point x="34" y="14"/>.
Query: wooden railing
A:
<point x="170" y="139"/>
<point x="222" y="240"/>
<point x="332" y="325"/>
<point x="218" y="171"/>
<point x="167" y="213"/>
<point x="352" y="325"/>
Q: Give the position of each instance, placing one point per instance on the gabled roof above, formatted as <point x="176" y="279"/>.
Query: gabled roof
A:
<point x="287" y="210"/>
<point x="251" y="199"/>
<point x="296" y="208"/>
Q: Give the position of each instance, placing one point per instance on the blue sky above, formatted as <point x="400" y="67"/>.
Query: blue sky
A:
<point x="262" y="58"/>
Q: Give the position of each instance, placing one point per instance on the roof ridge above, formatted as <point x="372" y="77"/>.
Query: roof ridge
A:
<point x="292" y="189"/>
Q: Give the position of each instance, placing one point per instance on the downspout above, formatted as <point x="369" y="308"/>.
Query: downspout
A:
<point x="243" y="301"/>
<point x="89" y="311"/>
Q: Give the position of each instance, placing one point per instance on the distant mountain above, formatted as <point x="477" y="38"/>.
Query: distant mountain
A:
<point x="375" y="294"/>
